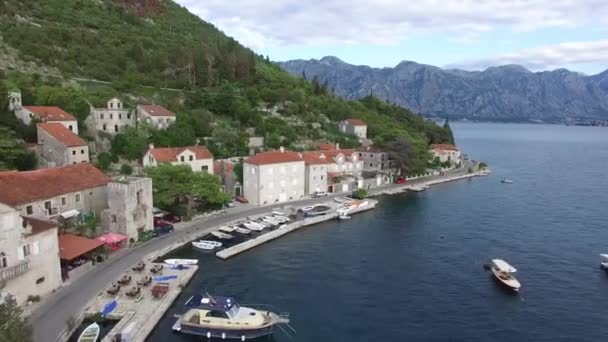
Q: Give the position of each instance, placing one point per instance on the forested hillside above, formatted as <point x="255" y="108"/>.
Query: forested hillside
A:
<point x="69" y="52"/>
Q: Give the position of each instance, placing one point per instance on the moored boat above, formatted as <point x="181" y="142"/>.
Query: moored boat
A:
<point x="506" y="181"/>
<point x="90" y="333"/>
<point x="604" y="263"/>
<point x="222" y="317"/>
<point x="243" y="231"/>
<point x="503" y="272"/>
<point x="226" y="229"/>
<point x="221" y="235"/>
<point x="181" y="261"/>
<point x="253" y="226"/>
<point x="202" y="245"/>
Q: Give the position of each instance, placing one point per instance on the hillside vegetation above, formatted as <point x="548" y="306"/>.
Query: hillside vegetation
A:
<point x="156" y="51"/>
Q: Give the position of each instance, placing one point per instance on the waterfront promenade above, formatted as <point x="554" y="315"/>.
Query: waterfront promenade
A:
<point x="50" y="318"/>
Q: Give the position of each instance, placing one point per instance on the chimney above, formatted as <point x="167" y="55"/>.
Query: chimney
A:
<point x="300" y="155"/>
<point x="282" y="149"/>
<point x="337" y="146"/>
<point x="150" y="146"/>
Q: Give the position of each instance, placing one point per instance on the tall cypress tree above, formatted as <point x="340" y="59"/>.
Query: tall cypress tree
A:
<point x="448" y="131"/>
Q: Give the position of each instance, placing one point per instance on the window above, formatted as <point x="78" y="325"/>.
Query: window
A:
<point x="120" y="116"/>
<point x="113" y="218"/>
<point x="29" y="210"/>
<point x="71" y="128"/>
<point x="104" y="127"/>
<point x="191" y="158"/>
<point x="111" y="116"/>
<point x="371" y="165"/>
<point x="217" y="314"/>
<point x="322" y="177"/>
<point x="101" y="116"/>
<point x="128" y="115"/>
<point x="115" y="128"/>
<point x="73" y="152"/>
<point x="151" y="159"/>
<point x="81" y="151"/>
<point x="140" y="195"/>
<point x="3" y="260"/>
<point x="27" y="250"/>
<point x="77" y="198"/>
<point x="182" y="158"/>
<point x="40" y="280"/>
<point x="204" y="168"/>
<point x="64" y="201"/>
<point x="111" y="104"/>
<point x="47" y="204"/>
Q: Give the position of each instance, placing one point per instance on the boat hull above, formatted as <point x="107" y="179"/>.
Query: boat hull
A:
<point x="223" y="333"/>
<point x="511" y="283"/>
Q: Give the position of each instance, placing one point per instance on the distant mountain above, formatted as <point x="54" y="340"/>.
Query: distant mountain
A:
<point x="503" y="93"/>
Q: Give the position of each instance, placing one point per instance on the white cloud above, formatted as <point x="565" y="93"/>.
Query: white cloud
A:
<point x="546" y="57"/>
<point x="261" y="24"/>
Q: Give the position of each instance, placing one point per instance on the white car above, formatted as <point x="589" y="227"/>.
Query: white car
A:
<point x="319" y="194"/>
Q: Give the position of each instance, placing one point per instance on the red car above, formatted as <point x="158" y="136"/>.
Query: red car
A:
<point x="241" y="199"/>
<point x="171" y="218"/>
<point x="400" y="180"/>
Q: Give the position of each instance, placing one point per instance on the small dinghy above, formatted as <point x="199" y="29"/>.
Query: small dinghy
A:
<point x="221" y="235"/>
<point x="206" y="244"/>
<point x="90" y="333"/>
<point x="243" y="231"/>
<point x="181" y="261"/>
<point x="343" y="217"/>
<point x="506" y="181"/>
<point x="226" y="229"/>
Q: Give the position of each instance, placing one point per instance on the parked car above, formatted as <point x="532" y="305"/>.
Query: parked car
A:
<point x="319" y="194"/>
<point x="230" y="204"/>
<point x="241" y="199"/>
<point x="400" y="180"/>
<point x="162" y="227"/>
<point x="169" y="217"/>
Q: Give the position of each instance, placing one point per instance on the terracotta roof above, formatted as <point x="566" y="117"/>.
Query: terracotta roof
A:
<point x="50" y="113"/>
<point x="169" y="154"/>
<point x="274" y="157"/>
<point x="61" y="133"/>
<point x="73" y="246"/>
<point x="155" y="110"/>
<point x="228" y="167"/>
<point x="315" y="158"/>
<point x="357" y="122"/>
<point x="29" y="186"/>
<point x="447" y="147"/>
<point x="39" y="226"/>
<point x="326" y="146"/>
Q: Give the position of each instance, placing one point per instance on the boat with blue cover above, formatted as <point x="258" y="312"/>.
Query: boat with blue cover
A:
<point x="223" y="317"/>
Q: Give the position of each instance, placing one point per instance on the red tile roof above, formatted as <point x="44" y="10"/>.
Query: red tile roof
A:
<point x="50" y="113"/>
<point x="61" y="133"/>
<point x="447" y="147"/>
<point x="274" y="157"/>
<point x="39" y="226"/>
<point x="357" y="122"/>
<point x="228" y="167"/>
<point x="315" y="158"/>
<point x="24" y="187"/>
<point x="155" y="110"/>
<point x="169" y="154"/>
<point x="73" y="246"/>
<point x="326" y="146"/>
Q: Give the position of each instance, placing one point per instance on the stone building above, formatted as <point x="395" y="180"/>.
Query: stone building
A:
<point x="58" y="146"/>
<point x="274" y="177"/>
<point x="354" y="126"/>
<point x="446" y="153"/>
<point x="112" y="119"/>
<point x="157" y="116"/>
<point x="130" y="207"/>
<point x="197" y="157"/>
<point x="46" y="114"/>
<point x="377" y="164"/>
<point x="224" y="169"/>
<point x="317" y="166"/>
<point x="29" y="256"/>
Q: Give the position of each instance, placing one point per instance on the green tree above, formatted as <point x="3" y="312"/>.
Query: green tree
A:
<point x="207" y="189"/>
<point x="126" y="169"/>
<point x="360" y="193"/>
<point x="104" y="160"/>
<point x="238" y="170"/>
<point x="132" y="143"/>
<point x="448" y="131"/>
<point x="13" y="155"/>
<point x="13" y="326"/>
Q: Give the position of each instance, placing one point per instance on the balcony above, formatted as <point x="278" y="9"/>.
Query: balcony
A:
<point x="14" y="271"/>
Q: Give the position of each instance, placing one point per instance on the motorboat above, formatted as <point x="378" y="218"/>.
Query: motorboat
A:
<point x="343" y="217"/>
<point x="226" y="229"/>
<point x="342" y="199"/>
<point x="181" y="261"/>
<point x="222" y="317"/>
<point x="506" y="181"/>
<point x="282" y="219"/>
<point x="203" y="245"/>
<point x="265" y="224"/>
<point x="270" y="220"/>
<point x="221" y="235"/>
<point x="90" y="333"/>
<point x="503" y="272"/>
<point x="253" y="226"/>
<point x="604" y="263"/>
<point x="243" y="231"/>
<point x="278" y="213"/>
<point x="307" y="208"/>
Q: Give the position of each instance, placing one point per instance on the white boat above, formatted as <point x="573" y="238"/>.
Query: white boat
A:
<point x="506" y="181"/>
<point x="342" y="199"/>
<point x="279" y="213"/>
<point x="221" y="235"/>
<point x="283" y="219"/>
<point x="270" y="220"/>
<point x="604" y="263"/>
<point x="343" y="217"/>
<point x="252" y="226"/>
<point x="226" y="229"/>
<point x="181" y="261"/>
<point x="503" y="272"/>
<point x="307" y="208"/>
<point x="265" y="224"/>
<point x="243" y="231"/>
<point x="90" y="333"/>
<point x="258" y="224"/>
<point x="203" y="245"/>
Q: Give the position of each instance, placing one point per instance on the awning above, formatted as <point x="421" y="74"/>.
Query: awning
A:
<point x="70" y="213"/>
<point x="111" y="238"/>
<point x="72" y="246"/>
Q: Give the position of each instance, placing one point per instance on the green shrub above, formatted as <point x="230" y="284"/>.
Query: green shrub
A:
<point x="126" y="169"/>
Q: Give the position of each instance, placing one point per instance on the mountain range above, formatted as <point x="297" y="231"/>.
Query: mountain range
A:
<point x="504" y="93"/>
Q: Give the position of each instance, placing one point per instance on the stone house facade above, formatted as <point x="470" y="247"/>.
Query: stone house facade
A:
<point x="317" y="167"/>
<point x="157" y="116"/>
<point x="46" y="114"/>
<point x="446" y="153"/>
<point x="197" y="157"/>
<point x="354" y="126"/>
<point x="59" y="146"/>
<point x="130" y="207"/>
<point x="29" y="256"/>
<point x="112" y="120"/>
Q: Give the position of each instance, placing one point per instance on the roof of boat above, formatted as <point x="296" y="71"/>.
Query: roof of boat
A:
<point x="504" y="266"/>
<point x="207" y="302"/>
<point x="605" y="256"/>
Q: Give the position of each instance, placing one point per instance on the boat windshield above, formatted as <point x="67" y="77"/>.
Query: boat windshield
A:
<point x="234" y="311"/>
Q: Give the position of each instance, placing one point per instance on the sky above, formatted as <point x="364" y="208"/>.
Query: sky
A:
<point x="466" y="34"/>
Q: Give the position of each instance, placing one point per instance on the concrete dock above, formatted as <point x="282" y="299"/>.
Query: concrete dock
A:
<point x="290" y="227"/>
<point x="139" y="315"/>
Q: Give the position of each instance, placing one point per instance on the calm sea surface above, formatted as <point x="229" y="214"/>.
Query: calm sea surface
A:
<point x="411" y="270"/>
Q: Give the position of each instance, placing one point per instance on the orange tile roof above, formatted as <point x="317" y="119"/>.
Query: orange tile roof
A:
<point x="357" y="122"/>
<point x="61" y="133"/>
<point x="169" y="154"/>
<point x="274" y="157"/>
<point x="39" y="226"/>
<point x="72" y="246"/>
<point x="228" y="167"/>
<point x="155" y="110"/>
<point x="447" y="147"/>
<point x="24" y="187"/>
<point x="50" y="113"/>
<point x="315" y="158"/>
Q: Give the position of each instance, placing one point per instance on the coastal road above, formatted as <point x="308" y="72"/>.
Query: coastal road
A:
<point x="49" y="320"/>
